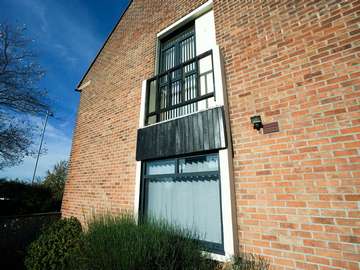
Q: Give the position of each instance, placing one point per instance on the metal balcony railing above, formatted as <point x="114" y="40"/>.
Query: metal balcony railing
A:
<point x="180" y="90"/>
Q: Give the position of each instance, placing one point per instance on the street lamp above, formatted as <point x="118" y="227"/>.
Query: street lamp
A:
<point x="48" y="113"/>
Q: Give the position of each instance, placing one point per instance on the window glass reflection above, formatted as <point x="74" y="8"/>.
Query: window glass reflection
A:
<point x="160" y="167"/>
<point x="198" y="164"/>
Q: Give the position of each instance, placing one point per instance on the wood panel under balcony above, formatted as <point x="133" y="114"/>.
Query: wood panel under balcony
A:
<point x="194" y="133"/>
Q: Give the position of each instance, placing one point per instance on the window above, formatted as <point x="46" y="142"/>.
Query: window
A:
<point x="185" y="78"/>
<point x="186" y="192"/>
<point x="174" y="51"/>
<point x="188" y="79"/>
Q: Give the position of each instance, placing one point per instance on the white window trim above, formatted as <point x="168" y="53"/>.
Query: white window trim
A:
<point x="179" y="23"/>
<point x="184" y="20"/>
<point x="225" y="155"/>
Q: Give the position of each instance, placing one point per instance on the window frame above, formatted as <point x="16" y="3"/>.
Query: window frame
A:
<point x="177" y="73"/>
<point x="172" y="35"/>
<point x="216" y="248"/>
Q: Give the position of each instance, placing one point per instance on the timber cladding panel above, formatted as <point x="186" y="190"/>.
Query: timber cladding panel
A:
<point x="292" y="62"/>
<point x="199" y="132"/>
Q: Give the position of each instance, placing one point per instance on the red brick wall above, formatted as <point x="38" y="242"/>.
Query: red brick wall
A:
<point x="297" y="191"/>
<point x="295" y="62"/>
<point x="102" y="164"/>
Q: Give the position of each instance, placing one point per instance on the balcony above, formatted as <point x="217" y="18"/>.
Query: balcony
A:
<point x="181" y="90"/>
<point x="183" y="110"/>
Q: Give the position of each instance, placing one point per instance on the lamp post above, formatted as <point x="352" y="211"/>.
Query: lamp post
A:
<point x="48" y="113"/>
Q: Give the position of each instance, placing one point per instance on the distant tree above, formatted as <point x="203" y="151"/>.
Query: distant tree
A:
<point x="55" y="179"/>
<point x="19" y="94"/>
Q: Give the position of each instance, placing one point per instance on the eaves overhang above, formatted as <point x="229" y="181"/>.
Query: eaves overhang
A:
<point x="78" y="89"/>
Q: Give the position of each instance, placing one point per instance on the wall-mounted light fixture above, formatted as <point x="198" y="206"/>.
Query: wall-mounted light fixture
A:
<point x="256" y="121"/>
<point x="267" y="128"/>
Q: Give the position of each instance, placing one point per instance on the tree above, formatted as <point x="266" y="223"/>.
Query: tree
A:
<point x="20" y="94"/>
<point x="55" y="179"/>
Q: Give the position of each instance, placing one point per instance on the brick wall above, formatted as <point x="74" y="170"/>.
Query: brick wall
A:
<point x="295" y="62"/>
<point x="297" y="191"/>
<point x="102" y="164"/>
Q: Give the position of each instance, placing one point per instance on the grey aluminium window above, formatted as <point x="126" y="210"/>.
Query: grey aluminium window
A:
<point x="186" y="192"/>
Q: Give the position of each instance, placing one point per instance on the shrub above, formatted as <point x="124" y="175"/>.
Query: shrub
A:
<point x="118" y="243"/>
<point x="17" y="233"/>
<point x="25" y="198"/>
<point x="52" y="250"/>
<point x="247" y="262"/>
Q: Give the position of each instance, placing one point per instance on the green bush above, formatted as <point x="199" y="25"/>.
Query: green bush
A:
<point x="25" y="198"/>
<point x="247" y="261"/>
<point x="118" y="243"/>
<point x="52" y="250"/>
<point x="17" y="233"/>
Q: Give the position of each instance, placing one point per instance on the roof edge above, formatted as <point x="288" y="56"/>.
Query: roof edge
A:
<point x="102" y="47"/>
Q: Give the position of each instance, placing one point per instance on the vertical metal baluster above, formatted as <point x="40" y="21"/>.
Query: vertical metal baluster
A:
<point x="169" y="84"/>
<point x="187" y="66"/>
<point x="175" y="75"/>
<point x="169" y="112"/>
<point x="191" y="91"/>
<point x="183" y="77"/>
<point x="182" y="82"/>
<point x="173" y="85"/>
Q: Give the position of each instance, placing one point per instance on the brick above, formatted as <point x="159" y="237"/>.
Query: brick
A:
<point x="351" y="152"/>
<point x="343" y="138"/>
<point x="352" y="197"/>
<point x="295" y="204"/>
<point x="317" y="260"/>
<point x="311" y="75"/>
<point x="269" y="237"/>
<point x="353" y="167"/>
<point x="350" y="130"/>
<point x="350" y="239"/>
<point x="266" y="172"/>
<point x="280" y="246"/>
<point x="335" y="112"/>
<point x="306" y="266"/>
<point x="322" y="220"/>
<point x="312" y="227"/>
<point x="308" y="149"/>
<point x="314" y="243"/>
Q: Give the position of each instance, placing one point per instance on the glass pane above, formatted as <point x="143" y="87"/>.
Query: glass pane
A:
<point x="168" y="59"/>
<point x="188" y="203"/>
<point x="187" y="47"/>
<point x="152" y="96"/>
<point x="205" y="65"/>
<point x="151" y="120"/>
<point x="163" y="80"/>
<point x="160" y="167"/>
<point x="210" y="83"/>
<point x="163" y="97"/>
<point x="199" y="164"/>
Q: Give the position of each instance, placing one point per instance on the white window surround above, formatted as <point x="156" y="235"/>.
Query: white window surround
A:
<point x="225" y="155"/>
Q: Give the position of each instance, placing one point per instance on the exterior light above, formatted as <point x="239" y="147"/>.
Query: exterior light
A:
<point x="256" y="121"/>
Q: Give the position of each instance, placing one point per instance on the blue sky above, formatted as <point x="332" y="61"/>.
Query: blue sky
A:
<point x="67" y="36"/>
